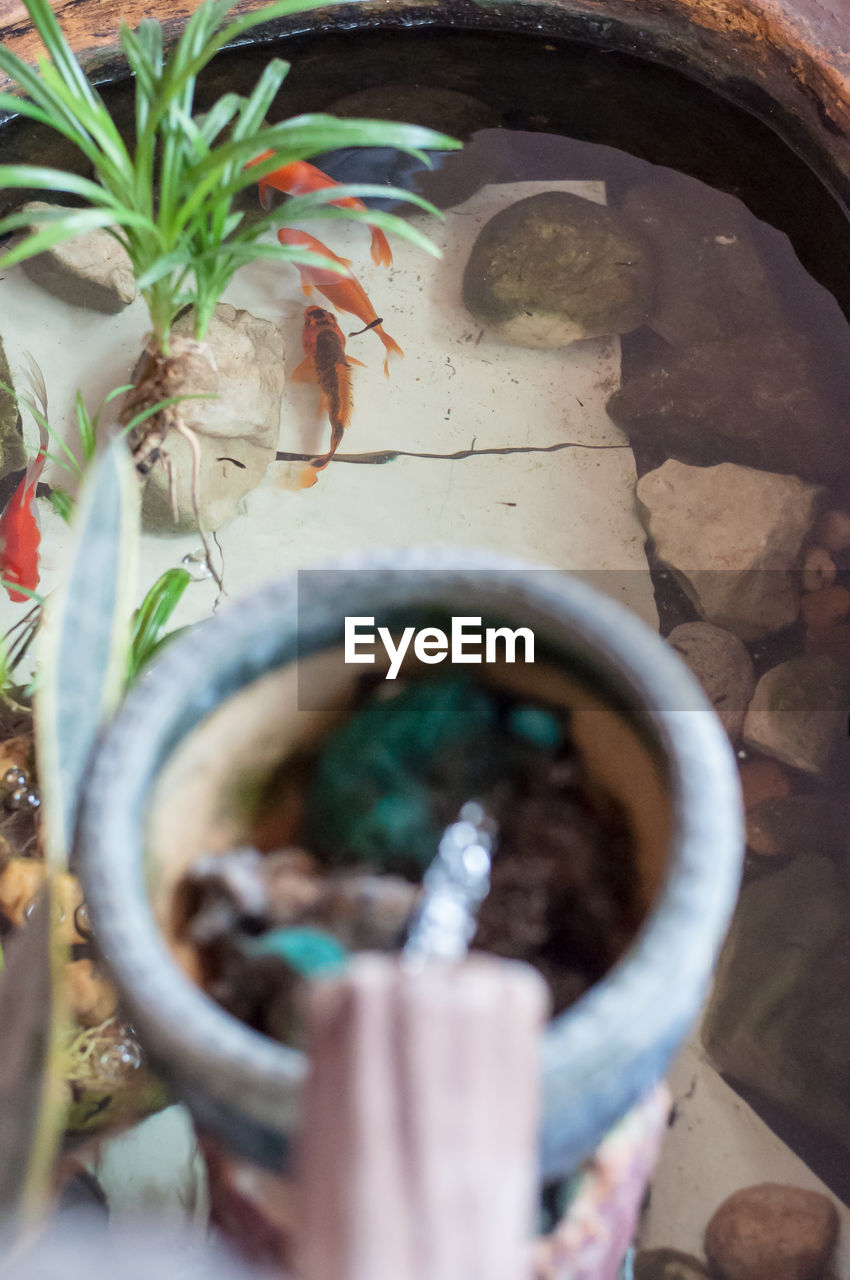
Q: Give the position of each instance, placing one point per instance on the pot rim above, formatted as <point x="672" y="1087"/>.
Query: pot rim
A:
<point x="616" y="1040"/>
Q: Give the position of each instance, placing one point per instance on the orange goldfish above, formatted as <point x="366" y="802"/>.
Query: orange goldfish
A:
<point x="20" y="534"/>
<point x="326" y="363"/>
<point x="346" y="293"/>
<point x="299" y="179"/>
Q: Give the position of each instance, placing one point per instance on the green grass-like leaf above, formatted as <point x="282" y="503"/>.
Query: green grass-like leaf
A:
<point x="169" y="200"/>
<point x="152" y="616"/>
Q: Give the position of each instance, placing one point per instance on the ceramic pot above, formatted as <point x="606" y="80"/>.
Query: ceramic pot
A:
<point x="177" y="772"/>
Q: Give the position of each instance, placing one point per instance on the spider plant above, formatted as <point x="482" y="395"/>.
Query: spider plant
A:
<point x="169" y="197"/>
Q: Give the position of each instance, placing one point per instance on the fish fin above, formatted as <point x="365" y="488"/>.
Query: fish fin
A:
<point x="351" y="360"/>
<point x="265" y="194"/>
<point x="307" y="289"/>
<point x="391" y="347"/>
<point x="304" y="373"/>
<point x="381" y="252"/>
<point x="308" y="477"/>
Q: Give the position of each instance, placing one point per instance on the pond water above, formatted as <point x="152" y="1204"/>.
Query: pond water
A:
<point x="710" y="268"/>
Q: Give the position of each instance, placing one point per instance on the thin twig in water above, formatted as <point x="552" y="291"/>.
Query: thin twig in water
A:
<point x="382" y="456"/>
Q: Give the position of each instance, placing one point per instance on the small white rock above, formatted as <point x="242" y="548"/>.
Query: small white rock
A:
<point x="721" y="663"/>
<point x="733" y="538"/>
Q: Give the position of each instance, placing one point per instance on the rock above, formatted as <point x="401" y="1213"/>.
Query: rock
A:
<point x="826" y="607"/>
<point x="457" y="114"/>
<point x="555" y="268"/>
<point x="20" y="882"/>
<point x="762" y="780"/>
<point x="711" y="281"/>
<point x="750" y="400"/>
<point x="777" y="1019"/>
<point x="724" y="668"/>
<point x="833" y="530"/>
<point x="13" y="455"/>
<point x="772" y="1232"/>
<point x="92" y="999"/>
<point x="819" y="569"/>
<point x="17" y="753"/>
<point x="668" y="1264"/>
<point x="732" y="537"/>
<point x="92" y="270"/>
<point x="791" y="824"/>
<point x="830" y="642"/>
<point x="798" y="710"/>
<point x="237" y="432"/>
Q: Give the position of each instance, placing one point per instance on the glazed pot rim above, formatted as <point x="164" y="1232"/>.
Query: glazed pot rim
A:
<point x="617" y="1039"/>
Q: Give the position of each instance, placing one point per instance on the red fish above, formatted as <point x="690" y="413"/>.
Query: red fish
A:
<point x="344" y="292"/>
<point x="20" y="534"/>
<point x="299" y="179"/>
<point x="326" y="363"/>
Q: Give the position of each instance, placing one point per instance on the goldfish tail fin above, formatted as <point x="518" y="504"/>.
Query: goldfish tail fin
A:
<point x="308" y="477"/>
<point x="381" y="252"/>
<point x="392" y="349"/>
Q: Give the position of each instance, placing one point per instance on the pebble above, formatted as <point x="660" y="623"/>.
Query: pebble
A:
<point x="772" y="1232"/>
<point x="819" y="569"/>
<point x="762" y="780"/>
<point x="668" y="1264"/>
<point x="797" y="712"/>
<point x="15" y="753"/>
<point x="309" y="952"/>
<point x="732" y="536"/>
<point x="824" y="608"/>
<point x="724" y="668"/>
<point x="833" y="530"/>
<point x="20" y="882"/>
<point x="93" y="1000"/>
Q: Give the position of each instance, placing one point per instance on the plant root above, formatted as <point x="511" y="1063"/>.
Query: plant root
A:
<point x="192" y="440"/>
<point x="162" y="384"/>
